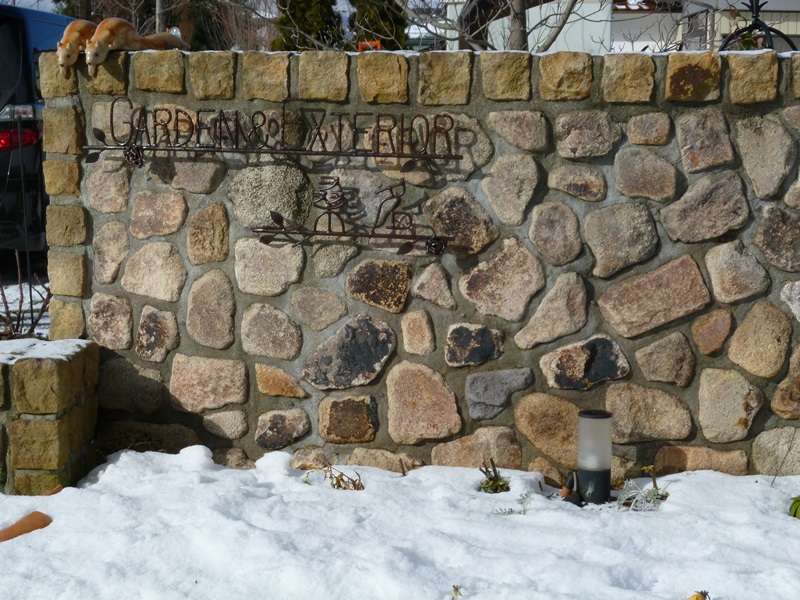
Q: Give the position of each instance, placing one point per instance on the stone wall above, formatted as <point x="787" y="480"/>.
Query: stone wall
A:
<point x="623" y="233"/>
<point x="47" y="413"/>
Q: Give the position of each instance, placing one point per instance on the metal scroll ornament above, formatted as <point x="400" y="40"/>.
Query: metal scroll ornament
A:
<point x="747" y="38"/>
<point x="333" y="222"/>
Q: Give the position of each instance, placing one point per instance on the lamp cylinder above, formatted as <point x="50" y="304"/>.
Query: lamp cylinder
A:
<point x="594" y="456"/>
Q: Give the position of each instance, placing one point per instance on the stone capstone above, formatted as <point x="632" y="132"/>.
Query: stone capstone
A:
<point x="645" y="302"/>
<point x="470" y="344"/>
<point x="703" y="141"/>
<point x="433" y="285"/>
<point x="712" y="206"/>
<point x="157" y="334"/>
<point x="399" y="462"/>
<point x="619" y="236"/>
<point x="669" y="359"/>
<point x="265" y="76"/>
<point x="197" y="383"/>
<point x="628" y="77"/>
<point x="209" y="317"/>
<point x="586" y="182"/>
<point x="267" y="270"/>
<point x="489" y="393"/>
<point x="160" y="71"/>
<point x="760" y="343"/>
<point x="711" y="330"/>
<point x="776" y="236"/>
<point x="268" y="331"/>
<point x="506" y="75"/>
<point x="523" y="129"/>
<point x="381" y="283"/>
<point x="767" y="171"/>
<point x="276" y="187"/>
<point x="277" y="429"/>
<point x="418" y="334"/>
<point x="561" y="312"/>
<point x="585" y="133"/>
<point x="354" y="355"/>
<point x="476" y="450"/>
<point x="155" y="270"/>
<point x="642" y="414"/>
<point x="693" y="77"/>
<point x="550" y="423"/>
<point x="735" y="273"/>
<point x="318" y="308"/>
<point x="503" y="285"/>
<point x="322" y="75"/>
<point x="129" y="387"/>
<point x="565" y="76"/>
<point x="641" y="173"/>
<point x="110" y="321"/>
<point x="678" y="459"/>
<point x="212" y="75"/>
<point x="348" y="420"/>
<point x="455" y="213"/>
<point x="777" y="452"/>
<point x="583" y="365"/>
<point x="228" y="424"/>
<point x="382" y="77"/>
<point x="786" y="400"/>
<point x="753" y="77"/>
<point x="421" y="405"/>
<point x="274" y="381"/>
<point x="650" y="129"/>
<point x="555" y="231"/>
<point x="728" y="403"/>
<point x="109" y="248"/>
<point x="509" y="186"/>
<point x="108" y="186"/>
<point x="444" y="78"/>
<point x="207" y="236"/>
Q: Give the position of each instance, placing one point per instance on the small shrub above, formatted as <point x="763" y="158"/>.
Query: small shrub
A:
<point x="794" y="507"/>
<point x="338" y="480"/>
<point x="493" y="483"/>
<point x="12" y="318"/>
<point x="523" y="500"/>
<point x="635" y="498"/>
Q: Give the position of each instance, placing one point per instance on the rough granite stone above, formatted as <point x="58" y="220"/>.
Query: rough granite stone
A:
<point x="63" y="130"/>
<point x="735" y="273"/>
<point x="157" y="214"/>
<point x="648" y="301"/>
<point x="555" y="231"/>
<point x="509" y="186"/>
<point x="274" y="381"/>
<point x="61" y="177"/>
<point x="354" y="355"/>
<point x="693" y="77"/>
<point x="66" y="320"/>
<point x="476" y="450"/>
<point x="110" y="321"/>
<point x="489" y="393"/>
<point x="421" y="405"/>
<point x="712" y="206"/>
<point x="455" y="213"/>
<point x="265" y="76"/>
<point x="583" y="365"/>
<point x="111" y="78"/>
<point x="643" y="414"/>
<point x="433" y="285"/>
<point x="470" y="141"/>
<point x="157" y="334"/>
<point x="268" y="331"/>
<point x="469" y="344"/>
<point x="728" y="403"/>
<point x="129" y="387"/>
<point x="796" y="75"/>
<point x="312" y="458"/>
<point x="382" y="77"/>
<point x="280" y="428"/>
<point x="703" y="140"/>
<point x="786" y="400"/>
<point x="257" y="190"/>
<point x="331" y="258"/>
<point x="586" y="182"/>
<point x="381" y="283"/>
<point x="52" y="83"/>
<point x="232" y="458"/>
<point x="109" y="249"/>
<point x="551" y="475"/>
<point x="444" y="78"/>
<point x="159" y="71"/>
<point x="66" y="225"/>
<point x="628" y="78"/>
<point x="418" y="333"/>
<point x="399" y="462"/>
<point x="200" y="175"/>
<point x="155" y="270"/>
<point x="197" y="384"/>
<point x="678" y="459"/>
<point x="565" y="76"/>
<point x="67" y="273"/>
<point x="322" y="75"/>
<point x="523" y="129"/>
<point x="669" y="359"/>
<point x="550" y="423"/>
<point x="108" y="186"/>
<point x="561" y="312"/>
<point x="650" y="129"/>
<point x="760" y="343"/>
<point x="212" y="75"/>
<point x="767" y="171"/>
<point x="348" y="420"/>
<point x="790" y="294"/>
<point x="641" y="173"/>
<point x="792" y="196"/>
<point x="711" y="330"/>
<point x="753" y="77"/>
<point x="207" y="235"/>
<point x="585" y="133"/>
<point x="619" y="236"/>
<point x="267" y="270"/>
<point x="211" y="307"/>
<point x="318" y="308"/>
<point x="228" y="424"/>
<point x="776" y="236"/>
<point x="777" y="452"/>
<point x="506" y="75"/>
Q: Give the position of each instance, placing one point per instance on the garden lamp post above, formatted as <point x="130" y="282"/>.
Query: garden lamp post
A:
<point x="591" y="483"/>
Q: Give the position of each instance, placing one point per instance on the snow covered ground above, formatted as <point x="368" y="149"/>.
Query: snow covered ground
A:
<point x="11" y="307"/>
<point x="151" y="525"/>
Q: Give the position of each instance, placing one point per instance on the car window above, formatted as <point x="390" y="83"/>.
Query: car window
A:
<point x="43" y="35"/>
<point x="11" y="51"/>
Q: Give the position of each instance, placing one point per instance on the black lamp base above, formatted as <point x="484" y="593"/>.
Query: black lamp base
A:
<point x="594" y="487"/>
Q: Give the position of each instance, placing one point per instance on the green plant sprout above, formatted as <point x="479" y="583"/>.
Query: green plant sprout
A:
<point x="523" y="500"/>
<point x="493" y="483"/>
<point x="632" y="497"/>
<point x="794" y="507"/>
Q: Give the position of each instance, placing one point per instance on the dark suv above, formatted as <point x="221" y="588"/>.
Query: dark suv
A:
<point x="24" y="34"/>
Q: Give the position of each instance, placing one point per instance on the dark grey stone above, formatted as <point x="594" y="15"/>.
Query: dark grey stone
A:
<point x="469" y="344"/>
<point x="583" y="365"/>
<point x="488" y="393"/>
<point x="777" y="234"/>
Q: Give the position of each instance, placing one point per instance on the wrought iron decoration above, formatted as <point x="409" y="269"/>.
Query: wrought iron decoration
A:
<point x="756" y="25"/>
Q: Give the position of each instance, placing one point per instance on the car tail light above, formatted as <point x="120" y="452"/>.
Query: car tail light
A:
<point x="10" y="140"/>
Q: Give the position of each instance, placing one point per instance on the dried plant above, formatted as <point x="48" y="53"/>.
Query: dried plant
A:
<point x="633" y="497"/>
<point x="12" y="318"/>
<point x="493" y="483"/>
<point x="338" y="480"/>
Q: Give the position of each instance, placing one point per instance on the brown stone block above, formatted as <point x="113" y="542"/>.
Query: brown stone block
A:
<point x="52" y="83"/>
<point x="444" y="78"/>
<point x="323" y="76"/>
<point x="274" y="381"/>
<point x="506" y="75"/>
<point x="265" y="76"/>
<point x="693" y="77"/>
<point x="212" y="75"/>
<point x="91" y="365"/>
<point x="650" y="129"/>
<point x="550" y="423"/>
<point x="111" y="78"/>
<point x="350" y="420"/>
<point x="754" y="77"/>
<point x="207" y="238"/>
<point x="677" y="459"/>
<point x="628" y="78"/>
<point x="197" y="384"/>
<point x="711" y="330"/>
<point x="157" y="214"/>
<point x="487" y="443"/>
<point x="67" y="273"/>
<point x="66" y="320"/>
<point x="61" y="177"/>
<point x="565" y="76"/>
<point x="162" y="71"/>
<point x="66" y="225"/>
<point x="38" y="444"/>
<point x="63" y="130"/>
<point x="37" y="483"/>
<point x="383" y="77"/>
<point x="44" y="385"/>
<point x="796" y="75"/>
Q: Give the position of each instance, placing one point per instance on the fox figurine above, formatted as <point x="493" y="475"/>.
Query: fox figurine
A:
<point x="118" y="34"/>
<point x="75" y="37"/>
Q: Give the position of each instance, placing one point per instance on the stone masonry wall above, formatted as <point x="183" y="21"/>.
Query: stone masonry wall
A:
<point x="624" y="234"/>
